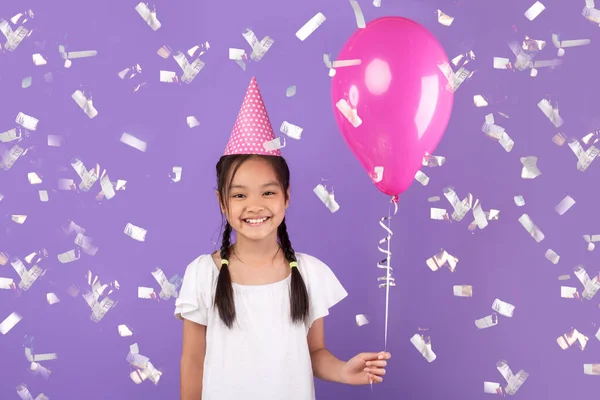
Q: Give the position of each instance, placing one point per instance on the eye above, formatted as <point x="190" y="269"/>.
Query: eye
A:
<point x="269" y="193"/>
<point x="238" y="196"/>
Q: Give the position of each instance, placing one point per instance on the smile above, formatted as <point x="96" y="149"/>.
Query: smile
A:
<point x="256" y="222"/>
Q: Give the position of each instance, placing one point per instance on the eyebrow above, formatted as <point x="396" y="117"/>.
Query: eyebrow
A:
<point x="263" y="186"/>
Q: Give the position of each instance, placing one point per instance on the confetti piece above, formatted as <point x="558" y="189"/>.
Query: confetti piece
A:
<point x="124" y="331"/>
<point x="275" y="144"/>
<point x="530" y="169"/>
<point x="584" y="157"/>
<point x="9" y="322"/>
<point x="461" y="207"/>
<point x="550" y="112"/>
<point x="377" y="174"/>
<point x="144" y="370"/>
<point x="570" y="338"/>
<point x="134" y="142"/>
<point x="327" y="198"/>
<point x="309" y="27"/>
<point x="34" y="178"/>
<point x="135" y="232"/>
<point x="492" y="388"/>
<point x="422" y="178"/>
<point x="290" y="91"/>
<point x="439" y="214"/>
<point x="591" y="369"/>
<point x="552" y="256"/>
<point x="487" y="322"/>
<point x="259" y="48"/>
<point x="564" y="205"/>
<point x="85" y="104"/>
<point x="168" y="77"/>
<point x="440" y="259"/>
<point x="591" y="239"/>
<point x="7" y="284"/>
<point x="192" y="121"/>
<point x="55" y="140"/>
<point x="361" y="320"/>
<point x="514" y="382"/>
<point x="175" y="175"/>
<point x="69" y="256"/>
<point x="149" y="16"/>
<point x="434" y="199"/>
<point x="24" y="393"/>
<point x="376" y="3"/>
<point x="503" y="308"/>
<point x="146" y="293"/>
<point x="444" y="19"/>
<point x="239" y="56"/>
<point x="190" y="71"/>
<point x="26" y="82"/>
<point x="568" y="292"/>
<point x="480" y="101"/>
<point x="590" y="286"/>
<point x="559" y="139"/>
<point x="519" y="201"/>
<point x="433" y="161"/>
<point x="358" y="14"/>
<point x="168" y="287"/>
<point x="349" y="112"/>
<point x="423" y="346"/>
<point x="52" y="298"/>
<point x="38" y="59"/>
<point x="564" y="277"/>
<point x="463" y="290"/>
<point x="535" y="10"/>
<point x="19" y="219"/>
<point x="530" y="227"/>
<point x="27" y="121"/>
<point x="291" y="130"/>
<point x="497" y="133"/>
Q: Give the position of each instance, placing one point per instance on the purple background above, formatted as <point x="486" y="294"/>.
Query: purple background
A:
<point x="182" y="218"/>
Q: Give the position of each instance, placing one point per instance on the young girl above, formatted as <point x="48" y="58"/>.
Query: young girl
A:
<point x="253" y="312"/>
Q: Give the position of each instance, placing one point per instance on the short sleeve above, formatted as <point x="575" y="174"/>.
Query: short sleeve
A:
<point x="194" y="297"/>
<point x="324" y="289"/>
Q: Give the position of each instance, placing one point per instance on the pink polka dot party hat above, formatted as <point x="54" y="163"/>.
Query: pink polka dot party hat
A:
<point x="252" y="128"/>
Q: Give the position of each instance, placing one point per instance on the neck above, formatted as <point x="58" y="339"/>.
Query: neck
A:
<point x="255" y="251"/>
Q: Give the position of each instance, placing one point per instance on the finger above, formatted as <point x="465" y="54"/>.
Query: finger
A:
<point x="375" y="371"/>
<point x="375" y="379"/>
<point x="384" y="355"/>
<point x="370" y="356"/>
<point x="377" y="363"/>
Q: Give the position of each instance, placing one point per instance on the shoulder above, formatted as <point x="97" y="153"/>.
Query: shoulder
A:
<point x="201" y="268"/>
<point x="312" y="266"/>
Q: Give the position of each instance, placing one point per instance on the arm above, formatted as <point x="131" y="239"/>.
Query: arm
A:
<point x="192" y="360"/>
<point x="324" y="364"/>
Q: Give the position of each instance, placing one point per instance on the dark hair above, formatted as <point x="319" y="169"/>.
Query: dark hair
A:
<point x="224" y="302"/>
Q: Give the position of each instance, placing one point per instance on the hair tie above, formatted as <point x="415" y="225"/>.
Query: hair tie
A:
<point x="224" y="262"/>
<point x="293" y="264"/>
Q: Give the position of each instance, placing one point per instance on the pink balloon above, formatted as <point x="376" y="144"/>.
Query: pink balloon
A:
<point x="394" y="107"/>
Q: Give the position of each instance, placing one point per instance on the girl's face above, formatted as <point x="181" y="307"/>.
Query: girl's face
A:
<point x="256" y="201"/>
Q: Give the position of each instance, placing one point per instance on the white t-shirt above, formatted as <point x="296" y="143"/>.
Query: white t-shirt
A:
<point x="264" y="356"/>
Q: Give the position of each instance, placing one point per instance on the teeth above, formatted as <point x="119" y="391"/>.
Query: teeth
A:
<point x="255" y="221"/>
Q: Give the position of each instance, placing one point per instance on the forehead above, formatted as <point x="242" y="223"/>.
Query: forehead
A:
<point x="254" y="172"/>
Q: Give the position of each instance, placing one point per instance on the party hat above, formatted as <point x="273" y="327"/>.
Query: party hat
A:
<point x="253" y="127"/>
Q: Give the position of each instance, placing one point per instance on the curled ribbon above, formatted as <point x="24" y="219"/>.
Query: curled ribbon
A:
<point x="385" y="263"/>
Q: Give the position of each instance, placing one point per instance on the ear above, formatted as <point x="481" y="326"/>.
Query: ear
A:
<point x="220" y="202"/>
<point x="287" y="203"/>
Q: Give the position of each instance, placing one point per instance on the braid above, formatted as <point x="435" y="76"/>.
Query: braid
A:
<point x="298" y="294"/>
<point x="224" y="293"/>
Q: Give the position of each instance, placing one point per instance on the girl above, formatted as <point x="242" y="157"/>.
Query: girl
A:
<point x="253" y="312"/>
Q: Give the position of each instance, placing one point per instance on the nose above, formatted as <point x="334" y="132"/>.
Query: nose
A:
<point x="255" y="206"/>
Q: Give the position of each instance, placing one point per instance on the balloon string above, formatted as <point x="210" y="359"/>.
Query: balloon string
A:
<point x="388" y="281"/>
